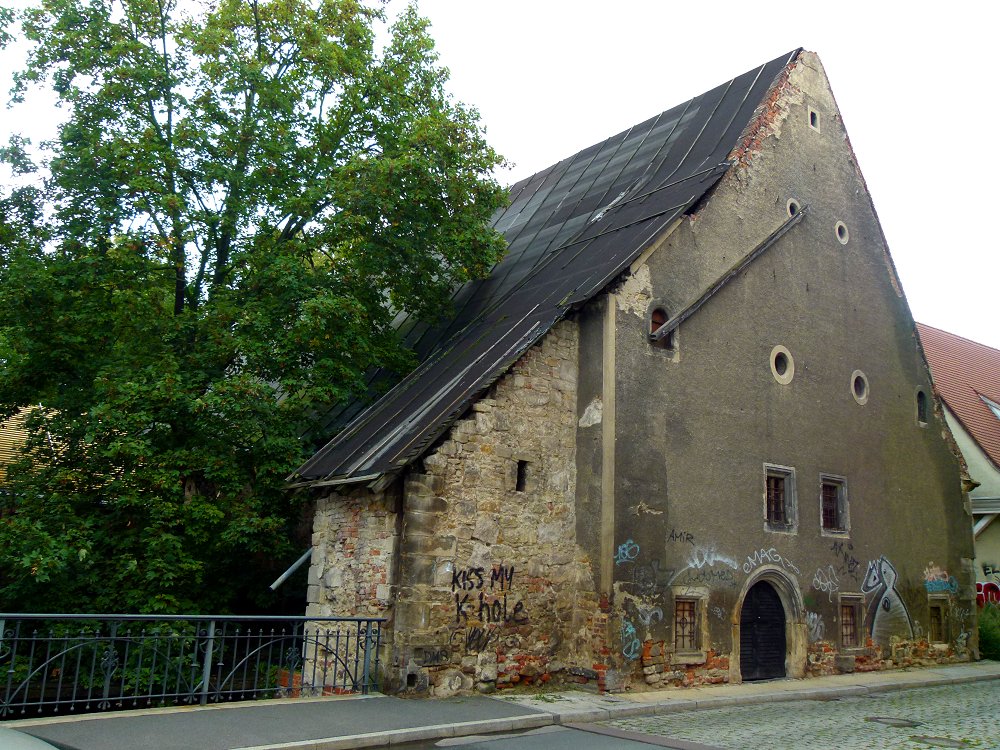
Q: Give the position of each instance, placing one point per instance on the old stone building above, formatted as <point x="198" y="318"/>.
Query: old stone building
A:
<point x="684" y="433"/>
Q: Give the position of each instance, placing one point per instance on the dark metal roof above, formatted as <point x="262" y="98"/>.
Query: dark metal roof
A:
<point x="571" y="229"/>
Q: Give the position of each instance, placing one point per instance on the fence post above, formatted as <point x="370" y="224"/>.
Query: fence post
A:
<point x="364" y="668"/>
<point x="109" y="663"/>
<point x="206" y="669"/>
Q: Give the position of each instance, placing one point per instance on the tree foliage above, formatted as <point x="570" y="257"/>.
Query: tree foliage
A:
<point x="212" y="251"/>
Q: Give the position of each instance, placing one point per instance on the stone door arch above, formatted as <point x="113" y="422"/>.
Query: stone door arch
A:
<point x="769" y="632"/>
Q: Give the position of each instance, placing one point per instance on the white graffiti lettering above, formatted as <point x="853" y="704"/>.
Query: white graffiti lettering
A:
<point x="772" y="556"/>
<point x="825" y="579"/>
<point x="707" y="556"/>
<point x="817" y="629"/>
<point x="649" y="615"/>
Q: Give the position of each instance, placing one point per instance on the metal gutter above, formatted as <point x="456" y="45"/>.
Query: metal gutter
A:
<point x="672" y="324"/>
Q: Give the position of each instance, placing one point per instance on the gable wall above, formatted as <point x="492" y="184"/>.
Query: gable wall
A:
<point x="696" y="426"/>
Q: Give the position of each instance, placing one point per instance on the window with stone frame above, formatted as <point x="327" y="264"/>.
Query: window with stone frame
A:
<point x="833" y="504"/>
<point x="852" y="613"/>
<point x="779" y="497"/>
<point x="690" y="632"/>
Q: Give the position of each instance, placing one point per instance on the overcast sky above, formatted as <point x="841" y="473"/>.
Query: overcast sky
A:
<point x="916" y="84"/>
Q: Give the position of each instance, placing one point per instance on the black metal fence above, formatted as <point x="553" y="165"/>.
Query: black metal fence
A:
<point x="52" y="664"/>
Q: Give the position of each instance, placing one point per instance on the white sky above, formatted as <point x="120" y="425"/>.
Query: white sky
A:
<point x="916" y="84"/>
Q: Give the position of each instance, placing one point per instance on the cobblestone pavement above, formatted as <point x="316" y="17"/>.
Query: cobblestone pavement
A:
<point x="965" y="716"/>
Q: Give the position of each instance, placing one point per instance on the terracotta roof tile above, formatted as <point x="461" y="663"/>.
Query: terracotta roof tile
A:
<point x="963" y="372"/>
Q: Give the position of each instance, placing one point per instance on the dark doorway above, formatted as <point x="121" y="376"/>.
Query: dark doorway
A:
<point x="762" y="634"/>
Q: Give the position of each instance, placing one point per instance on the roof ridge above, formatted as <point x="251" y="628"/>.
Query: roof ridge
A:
<point x="978" y="344"/>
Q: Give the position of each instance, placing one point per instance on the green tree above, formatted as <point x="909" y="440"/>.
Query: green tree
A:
<point x="211" y="252"/>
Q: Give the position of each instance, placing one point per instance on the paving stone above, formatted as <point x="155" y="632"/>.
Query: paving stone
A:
<point x="963" y="715"/>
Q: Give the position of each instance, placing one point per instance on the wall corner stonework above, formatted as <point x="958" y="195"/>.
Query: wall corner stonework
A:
<point x="493" y="588"/>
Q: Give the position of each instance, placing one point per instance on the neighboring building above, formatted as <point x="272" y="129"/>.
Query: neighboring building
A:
<point x="12" y="436"/>
<point x="682" y="434"/>
<point x="967" y="380"/>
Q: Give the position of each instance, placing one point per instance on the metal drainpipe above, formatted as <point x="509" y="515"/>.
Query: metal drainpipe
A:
<point x="295" y="566"/>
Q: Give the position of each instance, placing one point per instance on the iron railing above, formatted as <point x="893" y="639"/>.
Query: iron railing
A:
<point x="51" y="664"/>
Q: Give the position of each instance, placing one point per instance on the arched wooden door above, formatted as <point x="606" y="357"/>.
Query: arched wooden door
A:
<point x="762" y="634"/>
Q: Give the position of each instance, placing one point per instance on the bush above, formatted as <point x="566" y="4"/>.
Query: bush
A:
<point x="989" y="632"/>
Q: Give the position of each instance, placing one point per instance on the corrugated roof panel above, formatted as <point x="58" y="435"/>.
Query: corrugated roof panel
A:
<point x="572" y="230"/>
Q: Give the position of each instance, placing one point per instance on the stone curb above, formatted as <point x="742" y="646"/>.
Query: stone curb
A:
<point x="394" y="737"/>
<point x="780" y="696"/>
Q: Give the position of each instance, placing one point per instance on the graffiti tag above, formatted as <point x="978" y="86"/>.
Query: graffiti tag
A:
<point x="680" y="536"/>
<point x="849" y="564"/>
<point x="772" y="556"/>
<point x="826" y="580"/>
<point x="936" y="579"/>
<point x="817" y="628"/>
<point x="627" y="552"/>
<point x="630" y="641"/>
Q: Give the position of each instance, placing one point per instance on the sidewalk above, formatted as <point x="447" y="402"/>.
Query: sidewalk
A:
<point x="385" y="721"/>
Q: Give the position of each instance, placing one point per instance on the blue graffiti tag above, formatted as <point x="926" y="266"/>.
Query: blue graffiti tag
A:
<point x="630" y="642"/>
<point x="627" y="552"/>
<point x="950" y="585"/>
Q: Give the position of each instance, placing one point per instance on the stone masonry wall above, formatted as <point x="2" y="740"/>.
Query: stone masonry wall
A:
<point x="494" y="589"/>
<point x="354" y="535"/>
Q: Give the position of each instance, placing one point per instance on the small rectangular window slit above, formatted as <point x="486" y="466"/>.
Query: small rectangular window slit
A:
<point x="814" y="119"/>
<point x="522" y="475"/>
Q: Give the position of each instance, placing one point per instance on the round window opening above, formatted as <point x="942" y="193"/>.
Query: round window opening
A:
<point x="792" y="206"/>
<point x="842" y="234"/>
<point x="782" y="365"/>
<point x="859" y="386"/>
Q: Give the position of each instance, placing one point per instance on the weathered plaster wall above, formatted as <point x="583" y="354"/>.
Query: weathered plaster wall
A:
<point x="695" y="426"/>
